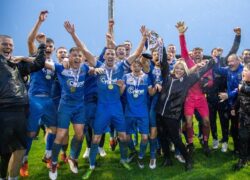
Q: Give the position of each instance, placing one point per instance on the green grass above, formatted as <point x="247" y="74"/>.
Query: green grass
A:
<point x="217" y="166"/>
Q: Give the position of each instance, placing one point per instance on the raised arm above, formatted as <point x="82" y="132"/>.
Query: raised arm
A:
<point x="32" y="36"/>
<point x="164" y="65"/>
<point x="182" y="28"/>
<point x="71" y="30"/>
<point x="236" y="43"/>
<point x="138" y="51"/>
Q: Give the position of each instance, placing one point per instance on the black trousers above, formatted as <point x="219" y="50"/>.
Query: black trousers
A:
<point x="223" y="112"/>
<point x="244" y="136"/>
<point x="169" y="130"/>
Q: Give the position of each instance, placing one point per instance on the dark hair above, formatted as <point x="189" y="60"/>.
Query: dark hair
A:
<point x="120" y="45"/>
<point x="197" y="49"/>
<point x="61" y="47"/>
<point x="49" y="40"/>
<point x="128" y="42"/>
<point x="5" y="36"/>
<point x="74" y="49"/>
<point x="245" y="50"/>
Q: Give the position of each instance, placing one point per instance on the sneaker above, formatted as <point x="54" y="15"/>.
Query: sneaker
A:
<point x="64" y="157"/>
<point x="53" y="172"/>
<point x="102" y="152"/>
<point x="224" y="147"/>
<point x="86" y="153"/>
<point x="215" y="144"/>
<point x="172" y="148"/>
<point x="88" y="174"/>
<point x="113" y="144"/>
<point x="24" y="170"/>
<point x="189" y="165"/>
<point x="47" y="161"/>
<point x="152" y="164"/>
<point x="131" y="156"/>
<point x="206" y="149"/>
<point x="241" y="164"/>
<point x="167" y="162"/>
<point x="73" y="164"/>
<point x="140" y="163"/>
<point x="180" y="158"/>
<point x="125" y="165"/>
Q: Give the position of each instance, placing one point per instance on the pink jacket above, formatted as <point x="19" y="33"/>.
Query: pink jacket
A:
<point x="195" y="90"/>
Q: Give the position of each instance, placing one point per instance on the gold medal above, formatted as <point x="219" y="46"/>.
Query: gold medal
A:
<point x="48" y="77"/>
<point x="135" y="95"/>
<point x="110" y="86"/>
<point x="72" y="89"/>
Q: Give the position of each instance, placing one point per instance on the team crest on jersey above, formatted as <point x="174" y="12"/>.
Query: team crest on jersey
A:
<point x="70" y="83"/>
<point x="132" y="90"/>
<point x="104" y="80"/>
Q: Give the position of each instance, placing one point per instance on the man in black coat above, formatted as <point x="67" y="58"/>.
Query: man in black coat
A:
<point x="14" y="104"/>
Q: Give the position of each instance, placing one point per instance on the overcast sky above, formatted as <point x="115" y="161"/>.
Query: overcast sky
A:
<point x="210" y="22"/>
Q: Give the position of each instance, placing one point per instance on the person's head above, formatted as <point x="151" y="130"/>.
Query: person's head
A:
<point x="233" y="62"/>
<point x="171" y="48"/>
<point x="61" y="53"/>
<point x="155" y="57"/>
<point x="170" y="56"/>
<point x="6" y="46"/>
<point x="128" y="47"/>
<point x="246" y="56"/>
<point x="246" y="73"/>
<point x="109" y="57"/>
<point x="120" y="51"/>
<point x="75" y="57"/>
<point x="136" y="66"/>
<point x="180" y="69"/>
<point x="50" y="47"/>
<point x="197" y="54"/>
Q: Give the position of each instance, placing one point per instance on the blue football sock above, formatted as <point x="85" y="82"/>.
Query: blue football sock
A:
<point x="131" y="145"/>
<point x="123" y="150"/>
<point x="143" y="147"/>
<point x="28" y="143"/>
<point x="153" y="145"/>
<point x="55" y="151"/>
<point x="50" y="140"/>
<point x="75" y="148"/>
<point x="92" y="154"/>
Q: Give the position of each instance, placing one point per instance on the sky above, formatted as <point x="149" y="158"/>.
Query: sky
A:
<point x="210" y="22"/>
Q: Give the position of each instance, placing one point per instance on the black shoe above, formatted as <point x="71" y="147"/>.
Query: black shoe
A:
<point x="190" y="149"/>
<point x="241" y="164"/>
<point x="188" y="165"/>
<point x="167" y="162"/>
<point x="140" y="163"/>
<point x="206" y="150"/>
<point x="131" y="156"/>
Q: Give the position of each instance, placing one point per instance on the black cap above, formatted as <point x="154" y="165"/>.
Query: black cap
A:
<point x="147" y="55"/>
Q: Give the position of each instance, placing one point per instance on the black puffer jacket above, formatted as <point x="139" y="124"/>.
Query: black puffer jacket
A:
<point x="12" y="88"/>
<point x="174" y="90"/>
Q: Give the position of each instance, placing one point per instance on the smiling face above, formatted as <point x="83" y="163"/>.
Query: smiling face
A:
<point x="155" y="58"/>
<point x="233" y="62"/>
<point x="109" y="57"/>
<point x="61" y="53"/>
<point x="180" y="69"/>
<point x="121" y="52"/>
<point x="197" y="55"/>
<point x="136" y="67"/>
<point x="246" y="73"/>
<point x="246" y="56"/>
<point x="6" y="46"/>
<point x="75" y="58"/>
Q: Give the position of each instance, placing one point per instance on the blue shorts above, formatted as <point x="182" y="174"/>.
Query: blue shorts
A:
<point x="41" y="111"/>
<point x="142" y="123"/>
<point x="109" y="114"/>
<point x="67" y="113"/>
<point x="152" y="113"/>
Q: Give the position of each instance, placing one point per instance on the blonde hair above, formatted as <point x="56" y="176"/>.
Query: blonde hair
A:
<point x="183" y="64"/>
